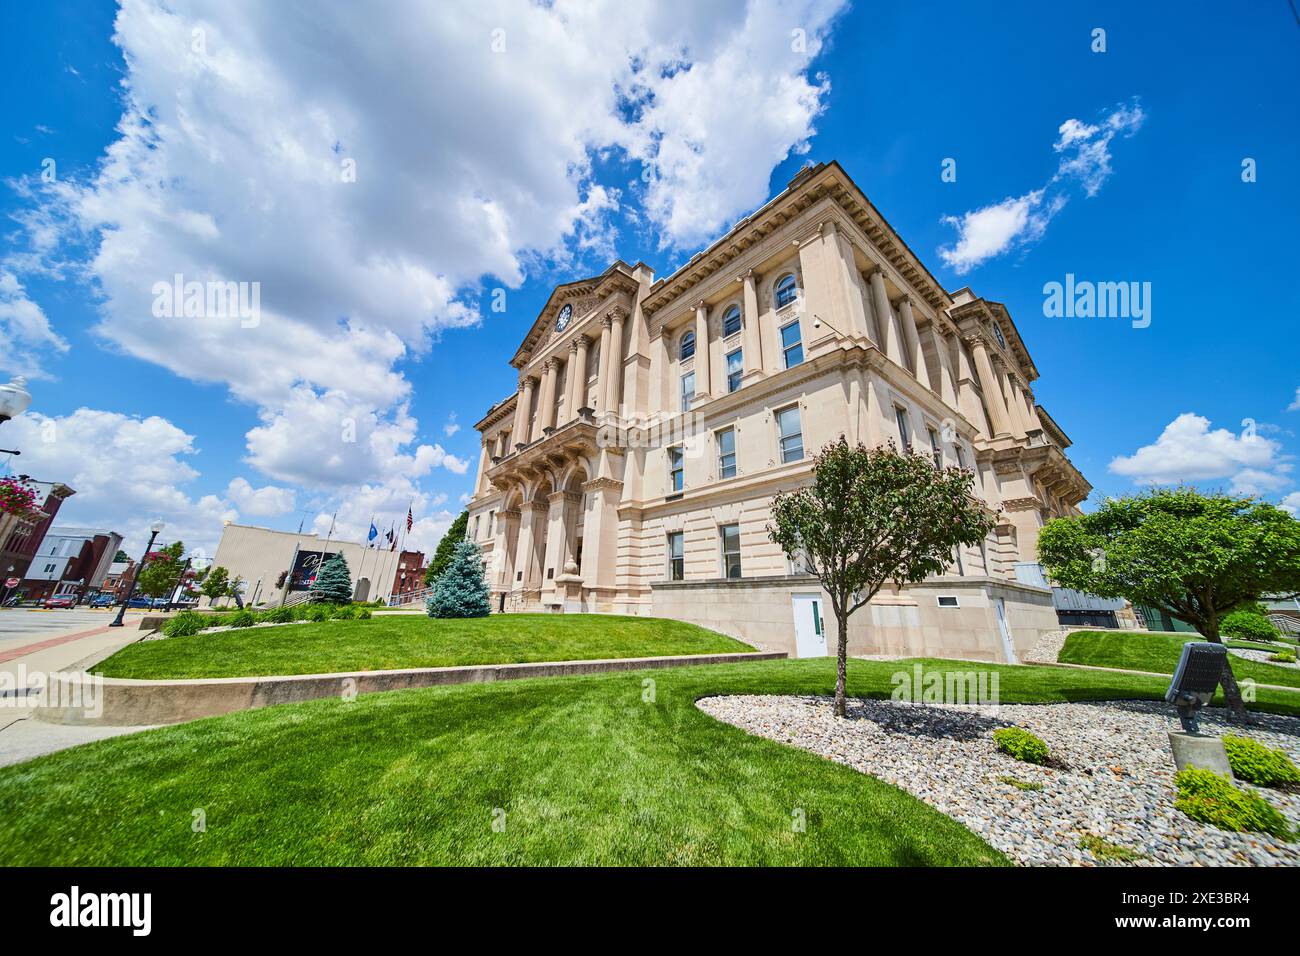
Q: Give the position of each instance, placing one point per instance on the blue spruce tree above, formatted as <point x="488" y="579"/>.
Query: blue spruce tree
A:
<point x="333" y="582"/>
<point x="461" y="590"/>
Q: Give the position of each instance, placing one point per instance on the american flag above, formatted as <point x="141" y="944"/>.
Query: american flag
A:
<point x="410" y="518"/>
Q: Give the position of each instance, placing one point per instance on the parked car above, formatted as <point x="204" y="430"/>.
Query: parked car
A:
<point x="140" y="601"/>
<point x="102" y="600"/>
<point x="62" y="601"/>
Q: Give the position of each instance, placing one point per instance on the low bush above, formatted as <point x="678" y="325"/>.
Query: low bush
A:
<point x="1021" y="744"/>
<point x="277" y="615"/>
<point x="316" y="612"/>
<point x="1250" y="623"/>
<point x="363" y="614"/>
<point x="1108" y="852"/>
<point x="1207" y="797"/>
<point x="1250" y="760"/>
<point x="186" y="623"/>
<point x="1283" y="657"/>
<point x="344" y="612"/>
<point x="242" y="618"/>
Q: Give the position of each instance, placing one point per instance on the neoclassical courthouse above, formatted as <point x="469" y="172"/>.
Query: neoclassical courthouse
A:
<point x="633" y="470"/>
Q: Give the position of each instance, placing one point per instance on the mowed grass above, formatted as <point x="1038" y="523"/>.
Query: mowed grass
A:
<point x="1159" y="653"/>
<point x="605" y="769"/>
<point x="389" y="642"/>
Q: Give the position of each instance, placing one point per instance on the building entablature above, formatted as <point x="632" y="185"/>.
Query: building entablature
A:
<point x="826" y="181"/>
<point x="990" y="323"/>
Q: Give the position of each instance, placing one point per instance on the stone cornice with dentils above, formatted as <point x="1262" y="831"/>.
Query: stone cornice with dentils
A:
<point x="825" y="181"/>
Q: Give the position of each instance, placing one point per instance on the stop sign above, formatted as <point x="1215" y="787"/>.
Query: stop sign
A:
<point x="11" y="583"/>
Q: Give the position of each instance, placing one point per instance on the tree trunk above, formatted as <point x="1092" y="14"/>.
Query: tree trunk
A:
<point x="1231" y="692"/>
<point x="842" y="664"/>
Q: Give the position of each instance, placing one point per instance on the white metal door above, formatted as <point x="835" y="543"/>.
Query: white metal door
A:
<point x="1008" y="646"/>
<point x="809" y="626"/>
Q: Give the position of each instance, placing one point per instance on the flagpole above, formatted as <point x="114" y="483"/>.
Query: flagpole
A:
<point x="406" y="529"/>
<point x="361" y="565"/>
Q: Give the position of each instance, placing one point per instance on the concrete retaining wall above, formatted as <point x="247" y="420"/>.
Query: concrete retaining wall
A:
<point x="80" y="698"/>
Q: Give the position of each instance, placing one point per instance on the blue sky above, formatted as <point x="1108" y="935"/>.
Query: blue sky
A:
<point x="525" y="164"/>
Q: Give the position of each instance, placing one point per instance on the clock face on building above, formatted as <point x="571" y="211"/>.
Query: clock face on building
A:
<point x="563" y="318"/>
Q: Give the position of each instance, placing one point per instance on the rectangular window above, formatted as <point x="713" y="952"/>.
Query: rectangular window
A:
<point x="477" y="518"/>
<point x="727" y="453"/>
<point x="676" y="556"/>
<point x="688" y="391"/>
<point x="735" y="368"/>
<point x="676" y="461"/>
<point x="492" y="516"/>
<point x="961" y="457"/>
<point x="904" y="429"/>
<point x="789" y="434"/>
<point x="730" y="535"/>
<point x="936" y="452"/>
<point x="791" y="344"/>
<point x="948" y="600"/>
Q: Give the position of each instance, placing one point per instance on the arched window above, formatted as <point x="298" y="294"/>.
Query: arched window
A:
<point x="687" y="348"/>
<point x="786" y="290"/>
<point x="731" y="322"/>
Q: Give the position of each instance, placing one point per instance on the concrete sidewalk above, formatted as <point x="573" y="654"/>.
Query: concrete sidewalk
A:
<point x="73" y="649"/>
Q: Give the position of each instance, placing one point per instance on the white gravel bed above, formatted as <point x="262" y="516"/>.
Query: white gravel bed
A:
<point x="1116" y="782"/>
<point x="1262" y="656"/>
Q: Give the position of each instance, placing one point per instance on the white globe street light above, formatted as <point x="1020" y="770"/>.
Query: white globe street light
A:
<point x="14" y="398"/>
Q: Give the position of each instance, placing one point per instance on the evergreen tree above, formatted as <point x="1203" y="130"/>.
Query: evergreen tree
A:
<point x="333" y="582"/>
<point x="461" y="590"/>
<point x="442" y="557"/>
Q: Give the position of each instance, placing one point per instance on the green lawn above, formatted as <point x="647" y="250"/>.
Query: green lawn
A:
<point x="1158" y="653"/>
<point x="389" y="642"/>
<point x="585" y="769"/>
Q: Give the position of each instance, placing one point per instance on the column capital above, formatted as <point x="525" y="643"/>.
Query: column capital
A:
<point x="618" y="313"/>
<point x="573" y="347"/>
<point x="526" y="382"/>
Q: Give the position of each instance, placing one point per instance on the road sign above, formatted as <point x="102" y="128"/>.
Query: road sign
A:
<point x="12" y="583"/>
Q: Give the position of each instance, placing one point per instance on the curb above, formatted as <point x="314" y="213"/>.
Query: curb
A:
<point x="85" y="699"/>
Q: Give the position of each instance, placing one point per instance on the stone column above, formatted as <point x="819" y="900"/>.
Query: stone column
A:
<point x="546" y="404"/>
<point x="578" y="377"/>
<point x="999" y="417"/>
<point x="481" y="481"/>
<point x="1015" y="409"/>
<point x="702" y="365"/>
<point x="614" y="397"/>
<point x="557" y="546"/>
<point x="507" y="527"/>
<point x="600" y="537"/>
<point x="914" y="342"/>
<point x="753" y="340"/>
<point x="947" y="380"/>
<point x="888" y="320"/>
<point x="523" y="411"/>
<point x="570" y="384"/>
<point x="602" y="373"/>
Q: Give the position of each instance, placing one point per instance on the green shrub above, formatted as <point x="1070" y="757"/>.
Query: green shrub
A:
<point x="1250" y="760"/>
<point x="276" y="615"/>
<point x="1108" y="852"/>
<point x="1210" y="798"/>
<point x="1283" y="657"/>
<point x="242" y="618"/>
<point x="344" y="612"/>
<point x="316" y="612"/>
<point x="1021" y="744"/>
<point x="186" y="623"/>
<point x="1020" y="784"/>
<point x="1248" y="622"/>
<point x="363" y="614"/>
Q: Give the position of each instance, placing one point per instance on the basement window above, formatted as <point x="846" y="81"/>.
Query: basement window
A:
<point x="948" y="600"/>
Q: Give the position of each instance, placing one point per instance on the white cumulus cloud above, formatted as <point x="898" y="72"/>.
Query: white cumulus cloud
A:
<point x="1189" y="450"/>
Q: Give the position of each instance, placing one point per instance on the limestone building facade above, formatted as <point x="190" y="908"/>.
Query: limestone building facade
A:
<point x="632" y="470"/>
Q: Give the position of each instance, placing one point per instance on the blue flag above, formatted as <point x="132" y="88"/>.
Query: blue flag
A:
<point x="374" y="532"/>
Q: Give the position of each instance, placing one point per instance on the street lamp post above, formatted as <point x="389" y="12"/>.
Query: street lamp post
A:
<point x="121" y="611"/>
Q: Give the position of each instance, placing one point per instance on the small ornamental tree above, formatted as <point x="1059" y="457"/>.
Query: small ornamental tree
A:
<point x="215" y="583"/>
<point x="442" y="557"/>
<point x="333" y="582"/>
<point x="161" y="571"/>
<point x="1197" y="557"/>
<point x="461" y="590"/>
<point x="872" y="516"/>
